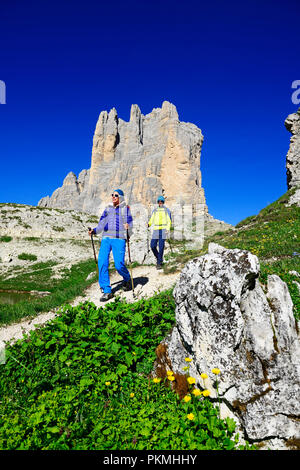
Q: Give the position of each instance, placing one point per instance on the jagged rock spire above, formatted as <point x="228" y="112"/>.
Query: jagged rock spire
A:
<point x="292" y="124"/>
<point x="149" y="155"/>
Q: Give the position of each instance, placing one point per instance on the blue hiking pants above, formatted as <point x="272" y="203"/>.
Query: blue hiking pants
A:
<point x="158" y="236"/>
<point x="118" y="247"/>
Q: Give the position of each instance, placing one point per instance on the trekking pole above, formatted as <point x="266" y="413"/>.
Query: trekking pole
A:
<point x="95" y="257"/>
<point x="148" y="249"/>
<point x="130" y="266"/>
<point x="170" y="245"/>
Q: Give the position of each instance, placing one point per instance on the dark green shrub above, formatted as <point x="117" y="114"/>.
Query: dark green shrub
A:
<point x="5" y="238"/>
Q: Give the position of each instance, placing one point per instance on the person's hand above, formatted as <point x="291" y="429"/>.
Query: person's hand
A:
<point x="90" y="232"/>
<point x="126" y="226"/>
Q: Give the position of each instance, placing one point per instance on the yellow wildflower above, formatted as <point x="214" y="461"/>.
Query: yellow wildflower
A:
<point x="188" y="359"/>
<point x="156" y="380"/>
<point x="206" y="393"/>
<point x="187" y="398"/>
<point x="191" y="380"/>
<point x="191" y="416"/>
<point x="131" y="395"/>
<point x="171" y="377"/>
<point x="203" y="375"/>
<point x="216" y="371"/>
<point x="107" y="383"/>
<point x="169" y="372"/>
<point x="196" y="392"/>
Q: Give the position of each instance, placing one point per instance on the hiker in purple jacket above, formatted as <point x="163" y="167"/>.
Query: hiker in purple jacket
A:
<point x="115" y="223"/>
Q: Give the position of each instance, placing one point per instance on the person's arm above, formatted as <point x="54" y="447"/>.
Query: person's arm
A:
<point x="101" y="224"/>
<point x="169" y="220"/>
<point x="151" y="219"/>
<point x="169" y="213"/>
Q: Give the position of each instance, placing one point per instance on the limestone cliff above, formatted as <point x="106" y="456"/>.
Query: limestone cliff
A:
<point x="292" y="124"/>
<point x="147" y="156"/>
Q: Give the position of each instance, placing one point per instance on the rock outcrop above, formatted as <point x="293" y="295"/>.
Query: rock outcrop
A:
<point x="292" y="124"/>
<point x="224" y="319"/>
<point x="149" y="155"/>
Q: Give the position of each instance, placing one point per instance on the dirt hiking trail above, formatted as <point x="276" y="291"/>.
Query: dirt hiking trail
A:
<point x="147" y="281"/>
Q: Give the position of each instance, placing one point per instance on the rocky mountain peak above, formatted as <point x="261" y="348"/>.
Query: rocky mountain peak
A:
<point x="149" y="155"/>
<point x="292" y="124"/>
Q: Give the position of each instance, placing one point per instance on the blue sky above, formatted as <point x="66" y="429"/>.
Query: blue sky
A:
<point x="227" y="66"/>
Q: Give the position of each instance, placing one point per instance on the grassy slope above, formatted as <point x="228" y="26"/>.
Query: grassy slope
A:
<point x="39" y="278"/>
<point x="81" y="383"/>
<point x="273" y="235"/>
<point x="84" y="382"/>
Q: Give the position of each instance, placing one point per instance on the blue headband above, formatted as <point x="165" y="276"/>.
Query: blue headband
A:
<point x="119" y="191"/>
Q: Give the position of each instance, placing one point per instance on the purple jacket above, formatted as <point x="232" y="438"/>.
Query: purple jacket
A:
<point x="112" y="220"/>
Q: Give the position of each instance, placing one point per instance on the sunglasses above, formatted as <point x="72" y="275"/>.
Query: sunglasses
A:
<point x="115" y="195"/>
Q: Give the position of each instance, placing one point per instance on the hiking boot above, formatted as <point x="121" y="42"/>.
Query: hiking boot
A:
<point x="159" y="266"/>
<point x="107" y="296"/>
<point x="127" y="286"/>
